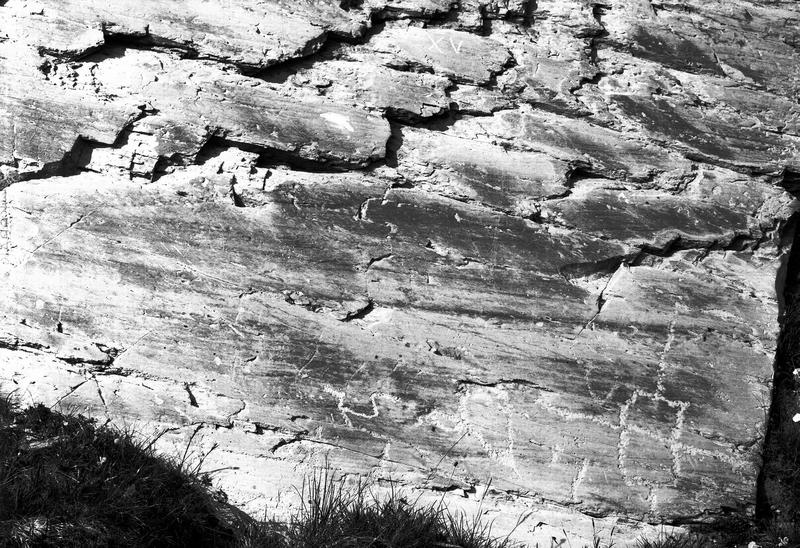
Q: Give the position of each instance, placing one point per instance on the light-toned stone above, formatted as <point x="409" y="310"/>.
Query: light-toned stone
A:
<point x="507" y="250"/>
<point x="462" y="56"/>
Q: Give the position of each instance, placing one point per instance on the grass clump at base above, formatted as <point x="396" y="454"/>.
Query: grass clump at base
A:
<point x="66" y="482"/>
<point x="332" y="516"/>
<point x="675" y="541"/>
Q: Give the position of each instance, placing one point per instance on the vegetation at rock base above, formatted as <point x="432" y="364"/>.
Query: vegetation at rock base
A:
<point x="332" y="516"/>
<point x="67" y="482"/>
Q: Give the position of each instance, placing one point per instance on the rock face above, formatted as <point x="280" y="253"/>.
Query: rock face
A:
<point x="522" y="252"/>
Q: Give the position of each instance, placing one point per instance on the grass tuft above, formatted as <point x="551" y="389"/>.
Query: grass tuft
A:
<point x="674" y="541"/>
<point x="333" y="516"/>
<point x="67" y="482"/>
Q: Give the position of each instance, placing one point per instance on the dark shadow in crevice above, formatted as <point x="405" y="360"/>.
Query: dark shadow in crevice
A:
<point x="582" y="171"/>
<point x="115" y="45"/>
<point x="271" y="157"/>
<point x="789" y="266"/>
<point x="529" y="13"/>
<point x="348" y="5"/>
<point x="72" y="163"/>
<point x="394" y="144"/>
<point x="280" y="73"/>
<point x="778" y="486"/>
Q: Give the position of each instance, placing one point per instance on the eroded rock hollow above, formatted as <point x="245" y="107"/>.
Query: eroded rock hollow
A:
<point x="519" y="251"/>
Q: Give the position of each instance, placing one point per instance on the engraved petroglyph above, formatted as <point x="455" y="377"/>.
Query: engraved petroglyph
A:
<point x="503" y="236"/>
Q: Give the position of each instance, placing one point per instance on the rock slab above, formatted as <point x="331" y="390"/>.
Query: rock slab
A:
<point x="524" y="253"/>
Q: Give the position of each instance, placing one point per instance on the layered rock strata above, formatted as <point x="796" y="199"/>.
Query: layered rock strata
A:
<point x="525" y="253"/>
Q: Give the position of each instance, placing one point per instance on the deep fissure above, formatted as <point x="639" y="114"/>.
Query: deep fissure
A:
<point x="781" y="446"/>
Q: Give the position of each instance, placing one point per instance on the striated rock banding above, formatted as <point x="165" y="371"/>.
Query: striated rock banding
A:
<point x="536" y="242"/>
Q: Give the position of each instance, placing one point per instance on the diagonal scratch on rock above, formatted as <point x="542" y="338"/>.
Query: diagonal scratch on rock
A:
<point x="602" y="297"/>
<point x="71" y="391"/>
<point x="135" y="343"/>
<point x="309" y="360"/>
<point x="100" y="394"/>
<point x="58" y="234"/>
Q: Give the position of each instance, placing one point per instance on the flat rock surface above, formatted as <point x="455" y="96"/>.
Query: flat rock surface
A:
<point x="524" y="253"/>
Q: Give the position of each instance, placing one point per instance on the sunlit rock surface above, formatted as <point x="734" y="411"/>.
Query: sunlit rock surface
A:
<point x="524" y="252"/>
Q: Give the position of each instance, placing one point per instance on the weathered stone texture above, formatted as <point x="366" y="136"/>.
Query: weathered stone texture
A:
<point x="535" y="243"/>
